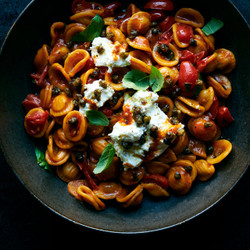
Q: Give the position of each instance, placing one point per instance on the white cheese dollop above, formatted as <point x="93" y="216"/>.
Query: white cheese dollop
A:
<point x="90" y="97"/>
<point x="106" y="53"/>
<point x="122" y="132"/>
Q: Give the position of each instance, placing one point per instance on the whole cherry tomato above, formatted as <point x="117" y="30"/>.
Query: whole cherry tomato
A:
<point x="224" y="117"/>
<point x="157" y="15"/>
<point x="160" y="5"/>
<point x="184" y="33"/>
<point x="188" y="75"/>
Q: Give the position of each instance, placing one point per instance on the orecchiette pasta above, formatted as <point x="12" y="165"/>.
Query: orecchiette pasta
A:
<point x="130" y="102"/>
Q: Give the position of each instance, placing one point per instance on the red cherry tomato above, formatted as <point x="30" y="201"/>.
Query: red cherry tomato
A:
<point x="188" y="75"/>
<point x="167" y="23"/>
<point x="160" y="5"/>
<point x="157" y="15"/>
<point x="157" y="179"/>
<point x="107" y="111"/>
<point x="213" y="111"/>
<point x="224" y="117"/>
<point x="36" y="121"/>
<point x="184" y="33"/>
<point x="110" y="9"/>
<point x="31" y="101"/>
<point x="89" y="64"/>
<point x="80" y="5"/>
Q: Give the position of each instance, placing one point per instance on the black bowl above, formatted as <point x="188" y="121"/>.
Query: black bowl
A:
<point x="29" y="33"/>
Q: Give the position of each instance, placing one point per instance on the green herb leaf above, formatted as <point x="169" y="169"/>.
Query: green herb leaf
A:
<point x="136" y="79"/>
<point x="105" y="159"/>
<point x="93" y="30"/>
<point x="41" y="161"/>
<point x="97" y="118"/>
<point x="156" y="79"/>
<point x="212" y="26"/>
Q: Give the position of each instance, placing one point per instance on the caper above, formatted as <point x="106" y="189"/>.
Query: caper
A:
<point x="100" y="49"/>
<point x="103" y="84"/>
<point x="142" y="140"/>
<point x="73" y="121"/>
<point x="79" y="156"/>
<point x="188" y="169"/>
<point x="133" y="34"/>
<point x="124" y="55"/>
<point x="127" y="144"/>
<point x="97" y="94"/>
<point x="177" y="175"/>
<point x="193" y="42"/>
<point x="147" y="119"/>
<point x="95" y="72"/>
<point x="138" y="118"/>
<point x="115" y="78"/>
<point x="154" y="132"/>
<point x="56" y="91"/>
<point x="209" y="150"/>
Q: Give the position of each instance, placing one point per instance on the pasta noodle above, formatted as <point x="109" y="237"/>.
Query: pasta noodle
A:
<point x="135" y="106"/>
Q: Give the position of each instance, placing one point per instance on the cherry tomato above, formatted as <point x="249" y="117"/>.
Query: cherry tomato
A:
<point x="160" y="5"/>
<point x="188" y="75"/>
<point x="184" y="33"/>
<point x="158" y="179"/>
<point x="107" y="111"/>
<point x="167" y="23"/>
<point x="31" y="101"/>
<point x="35" y="121"/>
<point x="110" y="9"/>
<point x="187" y="55"/>
<point x="89" y="64"/>
<point x="213" y="111"/>
<point x="204" y="129"/>
<point x="157" y="15"/>
<point x="80" y="5"/>
<point x="224" y="116"/>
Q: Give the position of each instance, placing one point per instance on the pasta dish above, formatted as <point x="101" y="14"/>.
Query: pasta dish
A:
<point x="131" y="101"/>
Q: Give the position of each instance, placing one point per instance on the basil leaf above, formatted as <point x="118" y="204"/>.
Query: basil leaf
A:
<point x="41" y="161"/>
<point x="156" y="79"/>
<point x="105" y="159"/>
<point x="136" y="79"/>
<point x="93" y="30"/>
<point x="212" y="26"/>
<point x="97" y="118"/>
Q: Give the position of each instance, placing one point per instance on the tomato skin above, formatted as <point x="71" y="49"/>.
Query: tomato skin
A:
<point x="160" y="5"/>
<point x="107" y="111"/>
<point x="187" y="74"/>
<point x="203" y="132"/>
<point x="36" y="121"/>
<point x="31" y="101"/>
<point x="213" y="111"/>
<point x="89" y="64"/>
<point x="158" y="179"/>
<point x="184" y="33"/>
<point x="224" y="117"/>
<point x="109" y="9"/>
<point x="157" y="15"/>
<point x="167" y="23"/>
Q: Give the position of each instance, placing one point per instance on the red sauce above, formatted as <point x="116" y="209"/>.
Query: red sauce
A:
<point x="126" y="115"/>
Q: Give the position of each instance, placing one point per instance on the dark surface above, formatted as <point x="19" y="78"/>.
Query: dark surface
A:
<point x="26" y="224"/>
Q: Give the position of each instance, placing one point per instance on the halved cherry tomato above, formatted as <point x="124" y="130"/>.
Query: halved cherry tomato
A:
<point x="187" y="55"/>
<point x="224" y="117"/>
<point x="188" y="75"/>
<point x="35" y="121"/>
<point x="110" y="9"/>
<point x="160" y="5"/>
<point x="157" y="179"/>
<point x="89" y="64"/>
<point x="213" y="111"/>
<point x="157" y="15"/>
<point x="31" y="101"/>
<point x="107" y="111"/>
<point x="184" y="33"/>
<point x="167" y="23"/>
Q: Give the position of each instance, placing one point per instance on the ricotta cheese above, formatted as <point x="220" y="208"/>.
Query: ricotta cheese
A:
<point x="95" y="95"/>
<point x="141" y="142"/>
<point x="106" y="53"/>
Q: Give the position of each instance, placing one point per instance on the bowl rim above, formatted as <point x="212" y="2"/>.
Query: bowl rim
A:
<point x="8" y="160"/>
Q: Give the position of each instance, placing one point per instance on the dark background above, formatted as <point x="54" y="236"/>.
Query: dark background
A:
<point x="27" y="224"/>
